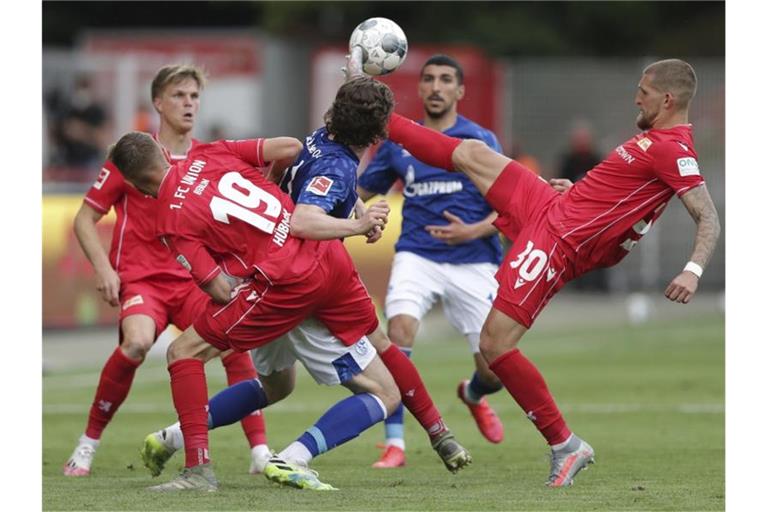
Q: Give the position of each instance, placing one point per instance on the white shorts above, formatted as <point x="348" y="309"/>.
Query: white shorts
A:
<point x="326" y="358"/>
<point x="467" y="291"/>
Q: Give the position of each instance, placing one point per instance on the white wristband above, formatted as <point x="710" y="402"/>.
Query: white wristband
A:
<point x="695" y="268"/>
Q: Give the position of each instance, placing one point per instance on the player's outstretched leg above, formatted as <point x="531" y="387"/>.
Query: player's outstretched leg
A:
<point x="498" y="342"/>
<point x="417" y="400"/>
<point x="226" y="407"/>
<point x="343" y="422"/>
<point x="190" y="397"/>
<point x="239" y="367"/>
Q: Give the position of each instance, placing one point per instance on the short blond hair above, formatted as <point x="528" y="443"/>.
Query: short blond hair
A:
<point x="675" y="76"/>
<point x="175" y="73"/>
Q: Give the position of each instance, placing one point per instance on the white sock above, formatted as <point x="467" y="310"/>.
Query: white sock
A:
<point x="396" y="441"/>
<point x="174" y="437"/>
<point x="261" y="451"/>
<point x="469" y="396"/>
<point x="560" y="446"/>
<point x="296" y="453"/>
<point x="93" y="443"/>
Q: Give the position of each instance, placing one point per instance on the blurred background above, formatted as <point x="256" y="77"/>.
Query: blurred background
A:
<point x="554" y="80"/>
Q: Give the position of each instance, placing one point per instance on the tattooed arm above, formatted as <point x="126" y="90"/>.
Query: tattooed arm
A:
<point x="699" y="204"/>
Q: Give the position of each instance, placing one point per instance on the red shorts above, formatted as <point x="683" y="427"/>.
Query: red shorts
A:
<point x="260" y="313"/>
<point x="538" y="263"/>
<point x="165" y="300"/>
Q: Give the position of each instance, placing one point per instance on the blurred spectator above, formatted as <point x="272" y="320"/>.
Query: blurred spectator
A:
<point x="581" y="155"/>
<point x="80" y="126"/>
<point x="580" y="158"/>
<point x="524" y="158"/>
<point x="145" y="120"/>
<point x="217" y="132"/>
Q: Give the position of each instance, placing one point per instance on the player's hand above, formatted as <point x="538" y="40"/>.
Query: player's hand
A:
<point x="682" y="287"/>
<point x="108" y="283"/>
<point x="374" y="235"/>
<point x="561" y="184"/>
<point x="453" y="233"/>
<point x="354" y="64"/>
<point x="375" y="216"/>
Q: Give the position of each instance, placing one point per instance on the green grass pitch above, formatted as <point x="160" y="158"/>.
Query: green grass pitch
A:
<point x="649" y="399"/>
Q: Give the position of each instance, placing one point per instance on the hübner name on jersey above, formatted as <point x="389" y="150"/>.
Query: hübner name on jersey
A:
<point x="282" y="229"/>
<point x="189" y="179"/>
<point x="432" y="187"/>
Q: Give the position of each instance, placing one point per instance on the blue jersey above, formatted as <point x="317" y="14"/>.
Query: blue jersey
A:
<point x="429" y="192"/>
<point x="324" y="174"/>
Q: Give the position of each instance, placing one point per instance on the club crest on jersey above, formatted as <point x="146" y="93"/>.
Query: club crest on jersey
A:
<point x="320" y="185"/>
<point x="688" y="166"/>
<point x="361" y="347"/>
<point x="101" y="179"/>
<point x="644" y="143"/>
<point x="133" y="301"/>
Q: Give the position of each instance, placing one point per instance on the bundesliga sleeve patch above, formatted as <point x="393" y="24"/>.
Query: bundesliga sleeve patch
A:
<point x="644" y="143"/>
<point x="103" y="175"/>
<point x="320" y="185"/>
<point x="688" y="166"/>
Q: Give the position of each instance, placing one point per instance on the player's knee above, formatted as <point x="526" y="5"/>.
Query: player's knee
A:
<point x="278" y="385"/>
<point x="389" y="396"/>
<point x="174" y="352"/>
<point x="488" y="347"/>
<point x="401" y="333"/>
<point x="468" y="152"/>
<point x="136" y="345"/>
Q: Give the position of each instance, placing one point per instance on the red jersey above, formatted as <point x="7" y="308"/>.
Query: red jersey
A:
<point x="136" y="253"/>
<point x="607" y="212"/>
<point x="218" y="212"/>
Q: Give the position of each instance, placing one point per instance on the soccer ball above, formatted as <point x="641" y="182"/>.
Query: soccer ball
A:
<point x="383" y="43"/>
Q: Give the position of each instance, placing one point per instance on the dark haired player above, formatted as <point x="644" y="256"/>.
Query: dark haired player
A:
<point x="448" y="249"/>
<point x="322" y="184"/>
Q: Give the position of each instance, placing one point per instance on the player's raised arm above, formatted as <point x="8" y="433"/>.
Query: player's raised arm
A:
<point x="260" y="152"/>
<point x="699" y="204"/>
<point x="281" y="149"/>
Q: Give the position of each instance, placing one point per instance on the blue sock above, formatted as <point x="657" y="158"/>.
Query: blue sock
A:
<point x="393" y="426"/>
<point x="235" y="403"/>
<point x="342" y="422"/>
<point x="477" y="389"/>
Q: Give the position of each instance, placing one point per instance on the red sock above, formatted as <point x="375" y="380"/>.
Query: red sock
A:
<point x="239" y="367"/>
<point x="526" y="385"/>
<point x="427" y="145"/>
<point x="190" y="398"/>
<point x="114" y="385"/>
<point x="414" y="395"/>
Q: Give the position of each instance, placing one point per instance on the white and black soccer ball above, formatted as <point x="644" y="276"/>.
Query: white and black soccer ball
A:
<point x="383" y="43"/>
